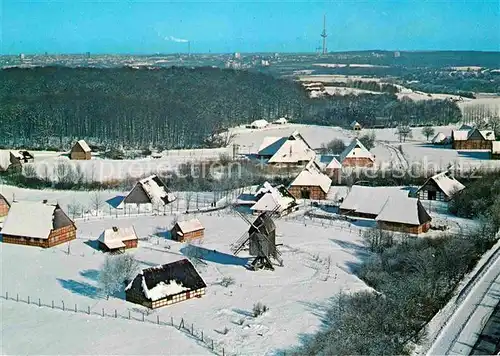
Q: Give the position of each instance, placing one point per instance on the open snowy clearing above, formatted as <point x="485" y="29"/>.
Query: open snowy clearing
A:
<point x="318" y="263"/>
<point x="54" y="332"/>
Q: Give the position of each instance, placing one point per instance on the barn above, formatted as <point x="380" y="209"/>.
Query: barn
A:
<point x="118" y="239"/>
<point x="4" y="206"/>
<point x="280" y="121"/>
<point x="258" y="124"/>
<point x="37" y="224"/>
<point x="403" y="214"/>
<point x="147" y="194"/>
<point x="334" y="170"/>
<point x="187" y="230"/>
<point x="473" y="139"/>
<point x="311" y="183"/>
<point x="356" y="126"/>
<point x="367" y="202"/>
<point x="273" y="199"/>
<point x="167" y="284"/>
<point x="356" y="155"/>
<point x="440" y="187"/>
<point x="18" y="158"/>
<point x="495" y="150"/>
<point x="290" y="150"/>
<point x="80" y="151"/>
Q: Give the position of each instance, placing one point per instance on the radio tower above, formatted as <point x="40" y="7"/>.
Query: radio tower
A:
<point x="324" y="35"/>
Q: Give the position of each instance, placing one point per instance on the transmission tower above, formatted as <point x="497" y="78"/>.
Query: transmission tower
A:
<point x="324" y="35"/>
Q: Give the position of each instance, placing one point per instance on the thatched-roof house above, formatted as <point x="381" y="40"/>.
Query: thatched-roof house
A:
<point x="286" y="151"/>
<point x="37" y="224"/>
<point x="441" y="186"/>
<point x="273" y="199"/>
<point x="404" y="214"/>
<point x="118" y="239"/>
<point x="311" y="183"/>
<point x="148" y="193"/>
<point x="164" y="285"/>
<point x="356" y="155"/>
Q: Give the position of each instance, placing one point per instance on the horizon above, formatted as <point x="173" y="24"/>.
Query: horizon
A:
<point x="145" y="28"/>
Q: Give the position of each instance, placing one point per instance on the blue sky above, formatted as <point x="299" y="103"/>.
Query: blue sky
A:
<point x="138" y="27"/>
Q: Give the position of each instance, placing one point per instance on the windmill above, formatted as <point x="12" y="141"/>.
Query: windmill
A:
<point x="261" y="240"/>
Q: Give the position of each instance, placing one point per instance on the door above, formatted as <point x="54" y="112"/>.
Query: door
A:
<point x="305" y="193"/>
<point x="188" y="294"/>
<point x="432" y="195"/>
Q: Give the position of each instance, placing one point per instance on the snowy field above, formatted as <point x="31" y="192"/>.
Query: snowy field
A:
<point x="318" y="263"/>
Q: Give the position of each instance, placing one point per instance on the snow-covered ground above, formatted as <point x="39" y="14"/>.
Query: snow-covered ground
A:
<point x="55" y="332"/>
<point x="318" y="262"/>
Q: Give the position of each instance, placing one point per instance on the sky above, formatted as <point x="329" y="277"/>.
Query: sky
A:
<point x="226" y="26"/>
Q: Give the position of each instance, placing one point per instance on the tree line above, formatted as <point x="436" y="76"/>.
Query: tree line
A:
<point x="177" y="107"/>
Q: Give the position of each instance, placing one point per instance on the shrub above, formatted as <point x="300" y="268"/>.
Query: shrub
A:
<point x="227" y="281"/>
<point x="259" y="309"/>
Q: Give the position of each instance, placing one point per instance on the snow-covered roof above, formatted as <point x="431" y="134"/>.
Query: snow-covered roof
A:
<point x="264" y="188"/>
<point x="16" y="154"/>
<point x="84" y="145"/>
<point x="190" y="225"/>
<point x="355" y="123"/>
<point x="369" y="200"/>
<point x="156" y="190"/>
<point x="29" y="219"/>
<point x="403" y="210"/>
<point x="489" y="135"/>
<point x="167" y="280"/>
<point x="259" y="123"/>
<point x="294" y="149"/>
<point x="274" y="198"/>
<point x="114" y="237"/>
<point x="334" y="164"/>
<point x="439" y="138"/>
<point x="460" y="135"/>
<point x="495" y="147"/>
<point x="281" y="121"/>
<point x="270" y="145"/>
<point x="311" y="175"/>
<point x="355" y="150"/>
<point x="448" y="184"/>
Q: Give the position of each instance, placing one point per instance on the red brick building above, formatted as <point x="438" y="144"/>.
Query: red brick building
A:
<point x="37" y="224"/>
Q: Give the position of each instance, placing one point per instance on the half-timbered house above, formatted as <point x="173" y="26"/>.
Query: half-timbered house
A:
<point x="356" y="155"/>
<point x="310" y="183"/>
<point x="441" y="186"/>
<point x="118" y="239"/>
<point x="187" y="230"/>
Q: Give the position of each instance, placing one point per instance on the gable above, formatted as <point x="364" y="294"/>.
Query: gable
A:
<point x="475" y="135"/>
<point x="137" y="196"/>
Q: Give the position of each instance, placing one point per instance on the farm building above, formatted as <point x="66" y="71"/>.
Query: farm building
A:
<point x="440" y="139"/>
<point x="286" y="151"/>
<point x="187" y="230"/>
<point x="258" y="124"/>
<point x="280" y="121"/>
<point x="37" y="224"/>
<point x="147" y="194"/>
<point x="356" y="126"/>
<point x="474" y="139"/>
<point x="118" y="239"/>
<point x="311" y="183"/>
<point x="18" y="158"/>
<point x="166" y="284"/>
<point x="404" y="214"/>
<point x="367" y="202"/>
<point x="495" y="150"/>
<point x="440" y="187"/>
<point x="334" y="170"/>
<point x="4" y="206"/>
<point x="356" y="155"/>
<point x="273" y="199"/>
<point x="80" y="151"/>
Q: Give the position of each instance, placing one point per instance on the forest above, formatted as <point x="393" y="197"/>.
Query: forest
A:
<point x="176" y="107"/>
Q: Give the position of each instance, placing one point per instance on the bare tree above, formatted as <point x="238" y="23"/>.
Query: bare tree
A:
<point x="428" y="131"/>
<point x="403" y="132"/>
<point x="96" y="201"/>
<point x="74" y="207"/>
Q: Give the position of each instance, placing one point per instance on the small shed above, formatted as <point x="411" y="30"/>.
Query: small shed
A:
<point x="37" y="224"/>
<point x="356" y="126"/>
<point x="495" y="150"/>
<point x="118" y="239"/>
<point x="4" y="206"/>
<point x="18" y="158"/>
<point x="441" y="186"/>
<point x="170" y="283"/>
<point x="187" y="230"/>
<point x="80" y="151"/>
<point x="404" y="214"/>
<point x="311" y="183"/>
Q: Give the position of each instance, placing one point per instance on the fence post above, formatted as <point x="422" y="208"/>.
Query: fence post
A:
<point x="142" y="316"/>
<point x="17" y="297"/>
<point x="202" y="335"/>
<point x="223" y="353"/>
<point x="7" y="295"/>
<point x="116" y="315"/>
<point x="88" y="309"/>
<point x="212" y="344"/>
<point x="76" y="309"/>
<point x="192" y="329"/>
<point x="52" y="304"/>
<point x="62" y="304"/>
<point x="102" y="311"/>
<point x="28" y="299"/>
<point x="172" y="320"/>
<point x="39" y="302"/>
<point x="129" y="315"/>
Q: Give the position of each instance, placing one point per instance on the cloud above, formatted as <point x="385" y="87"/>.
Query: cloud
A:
<point x="175" y="39"/>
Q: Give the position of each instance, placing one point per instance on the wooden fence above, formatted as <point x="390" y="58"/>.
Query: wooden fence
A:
<point x="144" y="317"/>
